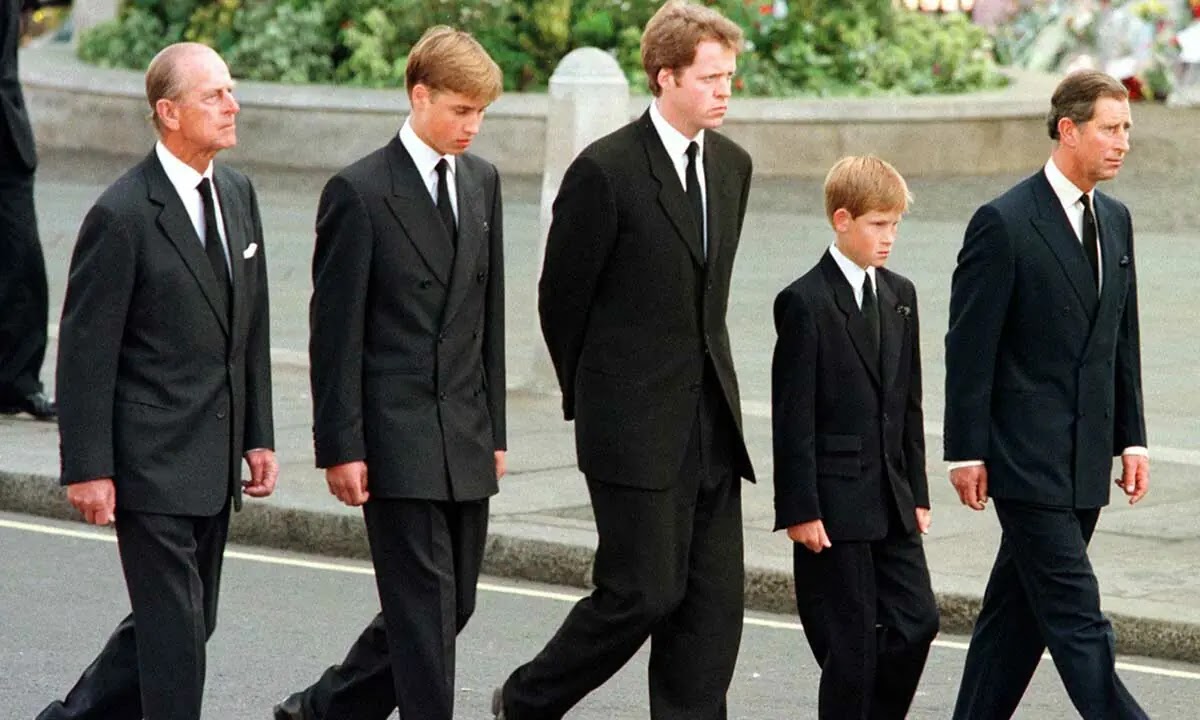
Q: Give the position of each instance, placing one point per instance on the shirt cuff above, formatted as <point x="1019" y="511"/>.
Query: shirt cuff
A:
<point x="962" y="464"/>
<point x="1136" y="450"/>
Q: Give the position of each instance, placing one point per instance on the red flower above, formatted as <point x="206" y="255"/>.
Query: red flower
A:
<point x="766" y="9"/>
<point x="1134" y="86"/>
<point x="739" y="83"/>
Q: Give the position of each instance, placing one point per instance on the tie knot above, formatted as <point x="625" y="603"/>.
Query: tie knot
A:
<point x="442" y="166"/>
<point x="1085" y="201"/>
<point x="868" y="287"/>
<point x="693" y="148"/>
<point x="205" y="188"/>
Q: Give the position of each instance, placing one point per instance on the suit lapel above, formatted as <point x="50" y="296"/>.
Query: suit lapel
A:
<point x="671" y="194"/>
<point x="856" y="325"/>
<point x="1052" y="224"/>
<point x="231" y="213"/>
<point x="175" y="224"/>
<point x="891" y="330"/>
<point x="414" y="209"/>
<point x="472" y="229"/>
<point x="1113" y="247"/>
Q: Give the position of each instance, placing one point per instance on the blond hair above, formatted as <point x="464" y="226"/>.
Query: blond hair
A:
<point x="670" y="38"/>
<point x="863" y="184"/>
<point x="453" y="60"/>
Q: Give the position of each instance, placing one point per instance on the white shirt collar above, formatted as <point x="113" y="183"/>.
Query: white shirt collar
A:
<point x="183" y="177"/>
<point x="1066" y="191"/>
<point x="674" y="141"/>
<point x="853" y="273"/>
<point x="424" y="157"/>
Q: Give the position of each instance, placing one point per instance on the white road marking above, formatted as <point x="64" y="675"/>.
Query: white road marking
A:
<point x="363" y="569"/>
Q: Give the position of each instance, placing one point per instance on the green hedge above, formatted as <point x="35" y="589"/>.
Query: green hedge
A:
<point x="816" y="47"/>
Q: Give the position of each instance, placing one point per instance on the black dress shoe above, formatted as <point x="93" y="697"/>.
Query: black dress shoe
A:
<point x="292" y="708"/>
<point x="36" y="404"/>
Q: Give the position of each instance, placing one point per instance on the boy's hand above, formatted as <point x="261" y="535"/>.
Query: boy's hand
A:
<point x="924" y="520"/>
<point x="811" y="535"/>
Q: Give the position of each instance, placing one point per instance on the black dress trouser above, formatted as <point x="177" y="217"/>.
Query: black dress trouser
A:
<point x="24" y="301"/>
<point x="668" y="568"/>
<point x="869" y="616"/>
<point x="153" y="664"/>
<point x="1043" y="594"/>
<point x="427" y="556"/>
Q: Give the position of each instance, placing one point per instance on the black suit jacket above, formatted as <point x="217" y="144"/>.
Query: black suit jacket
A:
<point x="1043" y="378"/>
<point x="17" y="152"/>
<point x="407" y="342"/>
<point x="630" y="308"/>
<point x="156" y="388"/>
<point x="849" y="431"/>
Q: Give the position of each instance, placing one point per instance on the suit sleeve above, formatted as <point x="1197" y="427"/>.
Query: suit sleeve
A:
<point x="914" y="417"/>
<point x="100" y="287"/>
<point x="260" y="424"/>
<point x="793" y="412"/>
<point x="337" y="319"/>
<point x="582" y="234"/>
<point x="493" y="329"/>
<point x="1129" y="427"/>
<point x="979" y="296"/>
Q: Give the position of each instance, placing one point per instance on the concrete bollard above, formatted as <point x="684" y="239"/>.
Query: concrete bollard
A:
<point x="589" y="98"/>
<point x="87" y="14"/>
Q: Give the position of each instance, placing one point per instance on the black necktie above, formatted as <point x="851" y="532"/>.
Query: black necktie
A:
<point x="1090" y="238"/>
<point x="445" y="209"/>
<point x="212" y="242"/>
<point x="693" y="193"/>
<point x="870" y="311"/>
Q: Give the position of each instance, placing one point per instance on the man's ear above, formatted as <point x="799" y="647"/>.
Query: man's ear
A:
<point x="167" y="113"/>
<point x="1068" y="131"/>
<point x="665" y="74"/>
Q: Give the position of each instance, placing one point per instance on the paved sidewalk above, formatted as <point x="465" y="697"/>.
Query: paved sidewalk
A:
<point x="1147" y="557"/>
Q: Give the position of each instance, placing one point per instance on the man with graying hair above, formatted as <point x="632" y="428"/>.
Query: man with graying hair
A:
<point x="164" y="352"/>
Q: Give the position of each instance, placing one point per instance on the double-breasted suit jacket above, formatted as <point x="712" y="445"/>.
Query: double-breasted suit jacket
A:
<point x="161" y="385"/>
<point x="1043" y="376"/>
<point x="633" y="304"/>
<point x="848" y="426"/>
<point x="407" y="341"/>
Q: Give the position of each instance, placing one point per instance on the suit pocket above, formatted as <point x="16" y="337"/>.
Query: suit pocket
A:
<point x="838" y="455"/>
<point x="839" y="444"/>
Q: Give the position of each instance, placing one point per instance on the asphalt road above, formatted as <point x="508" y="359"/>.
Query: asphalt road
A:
<point x="284" y="617"/>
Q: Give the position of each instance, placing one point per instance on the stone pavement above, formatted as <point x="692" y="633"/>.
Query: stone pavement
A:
<point x="1146" y="557"/>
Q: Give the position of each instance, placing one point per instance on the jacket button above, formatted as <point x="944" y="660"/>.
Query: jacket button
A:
<point x="441" y="396"/>
<point x="425" y="284"/>
<point x="442" y="338"/>
<point x="220" y="414"/>
<point x="480" y="276"/>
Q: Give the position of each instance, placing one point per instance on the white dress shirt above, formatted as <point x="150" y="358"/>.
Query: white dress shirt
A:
<point x="184" y="179"/>
<point x="426" y="160"/>
<point x="676" y="144"/>
<point x="1069" y="195"/>
<point x="854" y="274"/>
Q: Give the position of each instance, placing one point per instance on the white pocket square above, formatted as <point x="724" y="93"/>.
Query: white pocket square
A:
<point x="250" y="250"/>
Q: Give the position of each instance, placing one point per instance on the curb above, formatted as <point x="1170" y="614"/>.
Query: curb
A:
<point x="555" y="563"/>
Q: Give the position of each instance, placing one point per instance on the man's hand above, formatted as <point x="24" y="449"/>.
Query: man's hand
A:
<point x="811" y="535"/>
<point x="501" y="464"/>
<point x="95" y="499"/>
<point x="1135" y="476"/>
<point x="924" y="520"/>
<point x="264" y="471"/>
<point x="348" y="482"/>
<point x="971" y="484"/>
